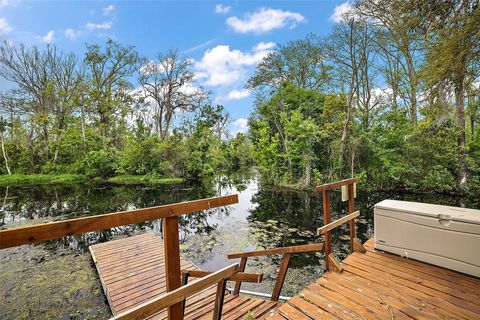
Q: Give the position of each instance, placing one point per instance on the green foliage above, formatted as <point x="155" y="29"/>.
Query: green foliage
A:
<point x="203" y="157"/>
<point x="102" y="163"/>
<point x="397" y="154"/>
<point x="239" y="153"/>
<point x="291" y="132"/>
<point x="299" y="130"/>
<point x="19" y="179"/>
<point x="147" y="179"/>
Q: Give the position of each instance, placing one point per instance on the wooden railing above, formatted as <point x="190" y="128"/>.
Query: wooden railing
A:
<point x="48" y="231"/>
<point x="350" y="184"/>
<point x="170" y="214"/>
<point x="287" y="254"/>
<point x="332" y="225"/>
<point x="179" y="295"/>
<point x="221" y="287"/>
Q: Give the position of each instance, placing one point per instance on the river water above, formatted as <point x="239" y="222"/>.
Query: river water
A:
<point x="57" y="279"/>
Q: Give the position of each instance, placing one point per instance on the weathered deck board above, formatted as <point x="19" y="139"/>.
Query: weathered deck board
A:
<point x="379" y="285"/>
<point x="132" y="271"/>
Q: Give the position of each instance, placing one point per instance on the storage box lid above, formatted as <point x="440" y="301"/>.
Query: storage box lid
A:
<point x="431" y="210"/>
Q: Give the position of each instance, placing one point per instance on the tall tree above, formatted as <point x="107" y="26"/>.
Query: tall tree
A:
<point x="67" y="83"/>
<point x="353" y="54"/>
<point x="108" y="69"/>
<point x="167" y="84"/>
<point x="48" y="82"/>
<point x="453" y="49"/>
<point x="300" y="62"/>
<point x="399" y="21"/>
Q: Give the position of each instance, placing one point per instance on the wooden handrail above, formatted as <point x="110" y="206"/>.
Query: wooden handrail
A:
<point x="336" y="223"/>
<point x="156" y="305"/>
<point x="287" y="254"/>
<point x="239" y="276"/>
<point x="325" y="190"/>
<point x="335" y="185"/>
<point x="282" y="250"/>
<point x="54" y="230"/>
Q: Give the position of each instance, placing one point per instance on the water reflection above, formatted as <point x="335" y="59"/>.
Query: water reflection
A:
<point x="267" y="217"/>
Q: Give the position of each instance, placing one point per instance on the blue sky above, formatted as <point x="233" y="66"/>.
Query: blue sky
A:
<point x="225" y="39"/>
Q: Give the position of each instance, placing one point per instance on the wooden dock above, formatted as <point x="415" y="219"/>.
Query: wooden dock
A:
<point x="132" y="271"/>
<point x="378" y="285"/>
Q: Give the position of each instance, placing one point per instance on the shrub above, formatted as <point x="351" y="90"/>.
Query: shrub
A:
<point x="101" y="163"/>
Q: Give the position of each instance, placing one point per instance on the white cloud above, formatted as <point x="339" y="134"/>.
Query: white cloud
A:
<point x="108" y="9"/>
<point x="237" y="94"/>
<point x="104" y="25"/>
<point x="151" y="66"/>
<point x="265" y="19"/>
<point x="221" y="66"/>
<point x="264" y="46"/>
<point x="4" y="3"/>
<point x="340" y="11"/>
<point x="48" y="38"/>
<point x="240" y="125"/>
<point x="476" y="84"/>
<point x="220" y="8"/>
<point x="4" y="26"/>
<point x="380" y="96"/>
<point x="71" y="33"/>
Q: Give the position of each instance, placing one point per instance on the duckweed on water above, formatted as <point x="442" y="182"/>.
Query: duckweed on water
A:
<point x="40" y="284"/>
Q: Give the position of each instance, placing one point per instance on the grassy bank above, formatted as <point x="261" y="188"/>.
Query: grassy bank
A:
<point x="133" y="179"/>
<point x="25" y="179"/>
<point x="19" y="179"/>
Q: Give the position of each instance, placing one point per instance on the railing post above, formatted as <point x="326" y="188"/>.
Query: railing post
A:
<point x="185" y="276"/>
<point x="219" y="297"/>
<point x="327" y="220"/>
<point x="243" y="263"/>
<point x="172" y="263"/>
<point x="281" y="276"/>
<point x="351" y="209"/>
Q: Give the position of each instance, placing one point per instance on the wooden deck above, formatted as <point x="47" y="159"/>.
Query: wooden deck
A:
<point x="132" y="271"/>
<point x="372" y="285"/>
<point x="378" y="285"/>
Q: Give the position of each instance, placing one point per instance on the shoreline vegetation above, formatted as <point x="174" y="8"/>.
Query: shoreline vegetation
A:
<point x="29" y="179"/>
<point x="128" y="179"/>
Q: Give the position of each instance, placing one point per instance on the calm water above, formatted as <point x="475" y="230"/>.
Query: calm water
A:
<point x="57" y="279"/>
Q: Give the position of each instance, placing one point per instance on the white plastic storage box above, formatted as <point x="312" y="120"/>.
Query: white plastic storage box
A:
<point x="444" y="236"/>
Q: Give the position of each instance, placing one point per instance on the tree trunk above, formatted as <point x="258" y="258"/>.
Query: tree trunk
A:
<point x="308" y="170"/>
<point x="413" y="85"/>
<point x="82" y="121"/>
<point x="352" y="163"/>
<point x="168" y="119"/>
<point x="343" y="141"/>
<point x="57" y="149"/>
<point x="5" y="158"/>
<point x="58" y="141"/>
<point x="460" y="124"/>
<point x="47" y="141"/>
<point x="472" y="130"/>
